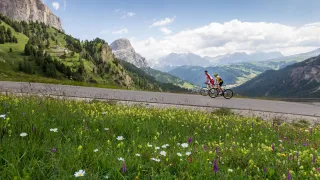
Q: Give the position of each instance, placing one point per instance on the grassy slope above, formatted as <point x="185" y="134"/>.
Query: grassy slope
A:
<point x="243" y="148"/>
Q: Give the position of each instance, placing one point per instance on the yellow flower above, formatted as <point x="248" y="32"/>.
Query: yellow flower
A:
<point x="79" y="148"/>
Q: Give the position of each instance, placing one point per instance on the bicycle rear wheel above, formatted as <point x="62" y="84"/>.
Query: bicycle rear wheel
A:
<point x="228" y="94"/>
<point x="213" y="93"/>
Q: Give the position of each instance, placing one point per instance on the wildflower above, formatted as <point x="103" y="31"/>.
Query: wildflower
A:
<point x="230" y="170"/>
<point x="149" y="145"/>
<point x="163" y="153"/>
<point x="165" y="146"/>
<point x="107" y="177"/>
<point x="154" y="159"/>
<point x="272" y="146"/>
<point x="104" y="113"/>
<point x="215" y="166"/>
<point x="124" y="168"/>
<point x="205" y="148"/>
<point x="53" y="150"/>
<point x="189" y="140"/>
<point x="157" y="148"/>
<point x="23" y="134"/>
<point x="120" y="138"/>
<point x="280" y="141"/>
<point x="265" y="170"/>
<point x="54" y="130"/>
<point x="138" y="155"/>
<point x="3" y="116"/>
<point x="184" y="145"/>
<point x="179" y="154"/>
<point x="121" y="159"/>
<point x="79" y="148"/>
<point x="289" y="175"/>
<point x="188" y="153"/>
<point x="96" y="150"/>
<point x="106" y="129"/>
<point x="80" y="173"/>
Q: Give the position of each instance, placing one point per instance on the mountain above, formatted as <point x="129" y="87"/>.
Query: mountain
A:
<point x="239" y="57"/>
<point x="37" y="52"/>
<point x="238" y="73"/>
<point x="173" y="60"/>
<point x="123" y="50"/>
<point x="231" y="74"/>
<point x="168" y="78"/>
<point x="29" y="10"/>
<point x="301" y="80"/>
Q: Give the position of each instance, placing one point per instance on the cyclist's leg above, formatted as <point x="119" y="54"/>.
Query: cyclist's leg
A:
<point x="220" y="89"/>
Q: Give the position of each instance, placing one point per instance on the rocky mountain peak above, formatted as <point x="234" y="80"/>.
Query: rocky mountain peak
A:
<point x="29" y="10"/>
<point x="123" y="50"/>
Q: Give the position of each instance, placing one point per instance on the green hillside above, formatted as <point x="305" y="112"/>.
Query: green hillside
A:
<point x="44" y="54"/>
<point x="168" y="78"/>
<point x="300" y="80"/>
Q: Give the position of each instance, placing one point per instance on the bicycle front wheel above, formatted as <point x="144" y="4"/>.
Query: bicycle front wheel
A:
<point x="213" y="93"/>
<point x="204" y="91"/>
<point x="228" y="94"/>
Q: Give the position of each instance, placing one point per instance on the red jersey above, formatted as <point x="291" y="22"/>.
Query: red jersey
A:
<point x="210" y="78"/>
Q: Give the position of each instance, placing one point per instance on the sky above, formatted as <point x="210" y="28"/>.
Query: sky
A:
<point x="205" y="27"/>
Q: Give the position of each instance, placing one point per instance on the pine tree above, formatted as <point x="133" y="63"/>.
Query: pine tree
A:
<point x="27" y="50"/>
<point x="10" y="50"/>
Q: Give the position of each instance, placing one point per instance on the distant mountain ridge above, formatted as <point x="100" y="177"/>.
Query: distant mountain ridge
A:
<point x="29" y="10"/>
<point x="173" y="60"/>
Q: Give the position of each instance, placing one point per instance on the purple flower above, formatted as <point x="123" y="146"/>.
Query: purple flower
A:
<point x="215" y="166"/>
<point x="189" y="140"/>
<point x="217" y="150"/>
<point x="289" y="175"/>
<point x="205" y="148"/>
<point x="297" y="155"/>
<point x="124" y="168"/>
<point x="310" y="130"/>
<point x="288" y="157"/>
<point x="272" y="146"/>
<point x="265" y="170"/>
<point x="53" y="150"/>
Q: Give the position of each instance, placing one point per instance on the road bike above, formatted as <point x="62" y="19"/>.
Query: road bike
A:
<point x="204" y="91"/>
<point x="226" y="93"/>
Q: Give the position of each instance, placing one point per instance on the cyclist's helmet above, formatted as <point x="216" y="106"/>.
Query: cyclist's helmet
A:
<point x="215" y="74"/>
<point x="206" y="71"/>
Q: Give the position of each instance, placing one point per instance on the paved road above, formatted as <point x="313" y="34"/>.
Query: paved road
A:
<point x="166" y="98"/>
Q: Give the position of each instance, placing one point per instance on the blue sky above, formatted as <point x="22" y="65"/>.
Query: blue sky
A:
<point x="132" y="19"/>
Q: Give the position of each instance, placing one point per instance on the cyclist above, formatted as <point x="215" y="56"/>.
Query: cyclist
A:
<point x="209" y="81"/>
<point x="219" y="81"/>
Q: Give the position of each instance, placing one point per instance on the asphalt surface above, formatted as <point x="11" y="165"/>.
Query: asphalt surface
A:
<point x="162" y="98"/>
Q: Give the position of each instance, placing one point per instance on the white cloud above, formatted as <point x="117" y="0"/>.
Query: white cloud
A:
<point x="130" y="14"/>
<point x="55" y="5"/>
<point x="163" y="22"/>
<point x="121" y="31"/>
<point x="233" y="36"/>
<point x="165" y="30"/>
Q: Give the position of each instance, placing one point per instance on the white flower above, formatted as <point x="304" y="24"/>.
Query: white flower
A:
<point x="23" y="134"/>
<point x="307" y="130"/>
<point x="230" y="170"/>
<point x="3" y="116"/>
<point x="179" y="154"/>
<point x="107" y="177"/>
<point x="121" y="159"/>
<point x="184" y="145"/>
<point x="163" y="153"/>
<point x="138" y="155"/>
<point x="157" y="148"/>
<point x="104" y="113"/>
<point x="164" y="146"/>
<point x="178" y="144"/>
<point x="120" y="138"/>
<point x="188" y="153"/>
<point x="154" y="159"/>
<point x="54" y="130"/>
<point x="149" y="145"/>
<point x="96" y="150"/>
<point x="280" y="141"/>
<point x="106" y="129"/>
<point x="80" y="173"/>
